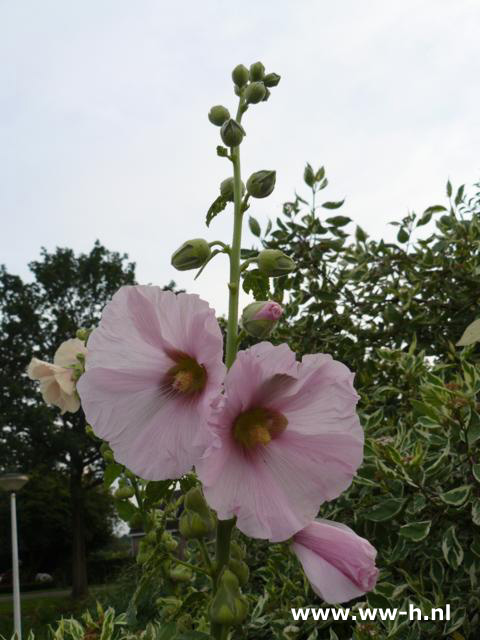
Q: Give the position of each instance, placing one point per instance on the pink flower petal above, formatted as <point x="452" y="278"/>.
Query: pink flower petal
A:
<point x="339" y="564"/>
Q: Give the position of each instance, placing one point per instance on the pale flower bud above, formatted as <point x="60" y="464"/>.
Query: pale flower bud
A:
<point x="260" y="318"/>
<point x="274" y="263"/>
<point x="191" y="255"/>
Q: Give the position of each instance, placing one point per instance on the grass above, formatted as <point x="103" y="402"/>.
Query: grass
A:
<point x="40" y="611"/>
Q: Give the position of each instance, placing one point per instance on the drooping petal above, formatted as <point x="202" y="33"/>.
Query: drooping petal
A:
<point x="66" y="354"/>
<point x="339" y="564"/>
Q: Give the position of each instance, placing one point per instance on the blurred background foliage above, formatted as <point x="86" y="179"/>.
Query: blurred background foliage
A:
<point x="392" y="312"/>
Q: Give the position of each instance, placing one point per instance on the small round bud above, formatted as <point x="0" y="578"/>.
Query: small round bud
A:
<point x="196" y="520"/>
<point x="169" y="541"/>
<point x="228" y="606"/>
<point x="271" y="79"/>
<point x="232" y="133"/>
<point x="260" y="318"/>
<point x="218" y="114"/>
<point x="257" y="71"/>
<point x="123" y="493"/>
<point x="180" y="574"/>
<point x="226" y="189"/>
<point x="240" y="569"/>
<point x="274" y="263"/>
<point x="240" y="75"/>
<point x="261" y="183"/>
<point x="191" y="255"/>
<point x="255" y="92"/>
<point x="83" y="333"/>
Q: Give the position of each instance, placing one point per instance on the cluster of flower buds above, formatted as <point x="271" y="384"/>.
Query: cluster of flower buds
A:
<point x="237" y="563"/>
<point x="196" y="521"/>
<point x="260" y="318"/>
<point x="229" y="606"/>
<point x="191" y="255"/>
<point x="254" y="86"/>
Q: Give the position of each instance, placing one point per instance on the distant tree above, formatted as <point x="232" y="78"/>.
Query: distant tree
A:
<point x="44" y="511"/>
<point x="67" y="292"/>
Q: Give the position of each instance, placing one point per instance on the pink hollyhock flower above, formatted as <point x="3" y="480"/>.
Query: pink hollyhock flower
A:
<point x="339" y="564"/>
<point x="57" y="381"/>
<point x="154" y="364"/>
<point x="287" y="439"/>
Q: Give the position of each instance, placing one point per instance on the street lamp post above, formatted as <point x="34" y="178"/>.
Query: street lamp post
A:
<point x="13" y="482"/>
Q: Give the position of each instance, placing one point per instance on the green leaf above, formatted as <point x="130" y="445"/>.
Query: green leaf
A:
<point x="385" y="510"/>
<point x="222" y="151"/>
<point x="449" y="188"/>
<point x="125" y="509"/>
<point x="168" y="632"/>
<point x="193" y="635"/>
<point x="334" y="205"/>
<point x="476" y="471"/>
<point x="320" y="175"/>
<point x="473" y="432"/>
<point x="309" y="175"/>
<point x="333" y="635"/>
<point x="112" y="472"/>
<point x="360" y="234"/>
<point x="254" y="226"/>
<point x="416" y="531"/>
<point x="338" y="221"/>
<point x="216" y="207"/>
<point x="456" y="497"/>
<point x="156" y="489"/>
<point x="452" y="551"/>
<point x="456" y="621"/>
<point x="402" y="235"/>
<point x="476" y="511"/>
<point x="257" y="283"/>
<point x="471" y="334"/>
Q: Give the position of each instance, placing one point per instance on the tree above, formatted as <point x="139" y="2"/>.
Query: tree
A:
<point x="68" y="292"/>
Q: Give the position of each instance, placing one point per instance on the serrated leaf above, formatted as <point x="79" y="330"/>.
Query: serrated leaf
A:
<point x="111" y="473"/>
<point x="452" y="551"/>
<point x="416" y="531"/>
<point x="334" y="205"/>
<point x="385" y="510"/>
<point x="254" y="226"/>
<point x="471" y="334"/>
<point x="456" y="497"/>
<point x="216" y="207"/>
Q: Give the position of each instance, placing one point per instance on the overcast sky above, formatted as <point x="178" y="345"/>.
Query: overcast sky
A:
<point x="104" y="131"/>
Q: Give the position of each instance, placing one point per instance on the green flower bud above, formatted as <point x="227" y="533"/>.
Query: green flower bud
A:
<point x="191" y="255"/>
<point x="267" y="95"/>
<point x="260" y="318"/>
<point x="83" y="333"/>
<point x="274" y="263"/>
<point x="240" y="569"/>
<point x="271" y="79"/>
<point x="226" y="189"/>
<point x="257" y="71"/>
<point x="107" y="453"/>
<point x="261" y="183"/>
<point x="169" y="541"/>
<point x="168" y="605"/>
<point x="232" y="133"/>
<point x="196" y="521"/>
<point x="218" y="114"/>
<point x="123" y="493"/>
<point x="237" y="550"/>
<point x="240" y="75"/>
<point x="255" y="92"/>
<point x="179" y="573"/>
<point x="228" y="606"/>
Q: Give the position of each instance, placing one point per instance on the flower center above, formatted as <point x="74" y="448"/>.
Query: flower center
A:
<point x="186" y="376"/>
<point x="258" y="427"/>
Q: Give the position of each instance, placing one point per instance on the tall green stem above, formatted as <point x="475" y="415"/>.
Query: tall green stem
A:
<point x="224" y="527"/>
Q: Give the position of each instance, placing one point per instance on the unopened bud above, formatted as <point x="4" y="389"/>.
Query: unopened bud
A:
<point x="274" y="263"/>
<point x="226" y="189"/>
<point x="267" y="95"/>
<point x="232" y="133"/>
<point x="218" y="114"/>
<point x="228" y="607"/>
<point x="257" y="71"/>
<point x="169" y="541"/>
<point x="259" y="318"/>
<point x="240" y="75"/>
<point x="123" y="493"/>
<point x="179" y="573"/>
<point x="107" y="453"/>
<point x="271" y="79"/>
<point x="261" y="183"/>
<point x="191" y="255"/>
<point x="255" y="92"/>
<point x="240" y="569"/>
<point x="83" y="333"/>
<point x="196" y="521"/>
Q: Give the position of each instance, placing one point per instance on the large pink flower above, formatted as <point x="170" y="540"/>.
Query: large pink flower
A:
<point x="154" y="364"/>
<point x="339" y="564"/>
<point x="287" y="439"/>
